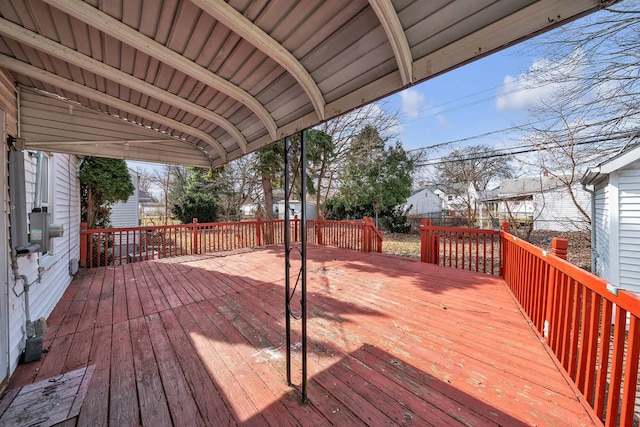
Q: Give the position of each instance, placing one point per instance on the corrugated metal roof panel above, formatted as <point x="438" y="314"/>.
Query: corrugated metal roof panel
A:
<point x="265" y="68"/>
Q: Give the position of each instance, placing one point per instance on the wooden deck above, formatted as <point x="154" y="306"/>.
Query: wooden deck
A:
<point x="200" y="341"/>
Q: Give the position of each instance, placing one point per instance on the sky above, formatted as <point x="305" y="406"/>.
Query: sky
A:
<point x="481" y="97"/>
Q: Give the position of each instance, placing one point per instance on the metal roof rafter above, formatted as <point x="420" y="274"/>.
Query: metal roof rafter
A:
<point x="50" y="47"/>
<point x="395" y="33"/>
<point x="239" y="24"/>
<point x="35" y="73"/>
<point x="116" y="29"/>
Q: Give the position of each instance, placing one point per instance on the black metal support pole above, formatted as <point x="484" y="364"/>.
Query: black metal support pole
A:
<point x="303" y="243"/>
<point x="287" y="263"/>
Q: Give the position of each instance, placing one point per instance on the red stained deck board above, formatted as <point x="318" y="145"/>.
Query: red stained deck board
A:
<point x="155" y="287"/>
<point x="123" y="399"/>
<point x="154" y="410"/>
<point x="132" y="297"/>
<point x="176" y="286"/>
<point x="461" y="330"/>
<point x="95" y="409"/>
<point x="207" y="397"/>
<point x="147" y="303"/>
<point x="199" y="340"/>
<point x="122" y="299"/>
<point x="182" y="405"/>
<point x="165" y="281"/>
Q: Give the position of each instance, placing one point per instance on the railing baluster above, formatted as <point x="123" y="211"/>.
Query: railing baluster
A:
<point x="615" y="382"/>
<point x="575" y="325"/>
<point x="631" y="373"/>
<point x="603" y="358"/>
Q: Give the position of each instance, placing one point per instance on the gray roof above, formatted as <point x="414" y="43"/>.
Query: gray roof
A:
<point x="518" y="187"/>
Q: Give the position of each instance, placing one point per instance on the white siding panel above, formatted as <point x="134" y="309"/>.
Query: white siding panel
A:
<point x="125" y="214"/>
<point x="601" y="224"/>
<point x="47" y="289"/>
<point x="554" y="210"/>
<point x="629" y="244"/>
<point x="424" y="202"/>
<point x="8" y="102"/>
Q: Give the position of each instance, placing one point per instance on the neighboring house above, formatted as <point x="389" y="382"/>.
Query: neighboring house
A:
<point x="457" y="197"/>
<point x="543" y="202"/>
<point x="615" y="231"/>
<point x="424" y="203"/>
<point x="295" y="207"/>
<point x="127" y="214"/>
<point x="553" y="209"/>
<point x="57" y="191"/>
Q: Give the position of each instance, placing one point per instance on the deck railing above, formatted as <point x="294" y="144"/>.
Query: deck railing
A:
<point x="593" y="328"/>
<point x="115" y="246"/>
<point x="464" y="248"/>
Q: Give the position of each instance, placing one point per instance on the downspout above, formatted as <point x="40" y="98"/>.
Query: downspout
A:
<point x="592" y="226"/>
<point x="25" y="282"/>
<point x="37" y="204"/>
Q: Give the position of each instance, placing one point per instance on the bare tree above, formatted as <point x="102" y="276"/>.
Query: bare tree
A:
<point x="343" y="130"/>
<point x="467" y="173"/>
<point x="597" y="58"/>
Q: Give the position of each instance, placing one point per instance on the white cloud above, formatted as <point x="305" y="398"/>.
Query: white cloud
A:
<point x="543" y="79"/>
<point x="412" y="102"/>
<point x="442" y="119"/>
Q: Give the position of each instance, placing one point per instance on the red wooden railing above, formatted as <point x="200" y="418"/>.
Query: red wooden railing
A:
<point x="115" y="246"/>
<point x="593" y="329"/>
<point x="357" y="235"/>
<point x="465" y="248"/>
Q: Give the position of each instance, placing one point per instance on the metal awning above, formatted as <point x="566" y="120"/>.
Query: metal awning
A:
<point x="220" y="79"/>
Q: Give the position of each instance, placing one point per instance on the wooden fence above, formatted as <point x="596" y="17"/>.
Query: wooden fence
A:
<point x="115" y="246"/>
<point x="592" y="328"/>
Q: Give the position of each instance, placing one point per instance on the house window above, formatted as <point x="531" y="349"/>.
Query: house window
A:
<point x="449" y="198"/>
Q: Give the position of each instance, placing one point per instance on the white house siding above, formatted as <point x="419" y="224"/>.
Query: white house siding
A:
<point x="8" y="124"/>
<point x="126" y="214"/>
<point x="554" y="210"/>
<point x="629" y="223"/>
<point x="424" y="202"/>
<point x="47" y="289"/>
<point x="601" y="224"/>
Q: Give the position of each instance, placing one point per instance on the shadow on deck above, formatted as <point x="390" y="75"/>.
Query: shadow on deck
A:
<point x="199" y="340"/>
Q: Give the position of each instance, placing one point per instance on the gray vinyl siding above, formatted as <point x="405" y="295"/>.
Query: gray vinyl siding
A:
<point x="601" y="224"/>
<point x="629" y="240"/>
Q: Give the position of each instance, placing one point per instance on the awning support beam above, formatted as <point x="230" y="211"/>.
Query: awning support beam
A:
<point x="302" y="275"/>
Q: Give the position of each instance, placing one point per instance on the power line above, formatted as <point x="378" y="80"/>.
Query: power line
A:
<point x="516" y="127"/>
<point x="522" y="150"/>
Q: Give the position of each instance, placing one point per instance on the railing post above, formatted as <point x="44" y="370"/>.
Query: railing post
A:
<point x="83" y="244"/>
<point x="505" y="228"/>
<point x="424" y="245"/>
<point x="194" y="242"/>
<point x="365" y="237"/>
<point x="295" y="228"/>
<point x="258" y="232"/>
<point x="559" y="247"/>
